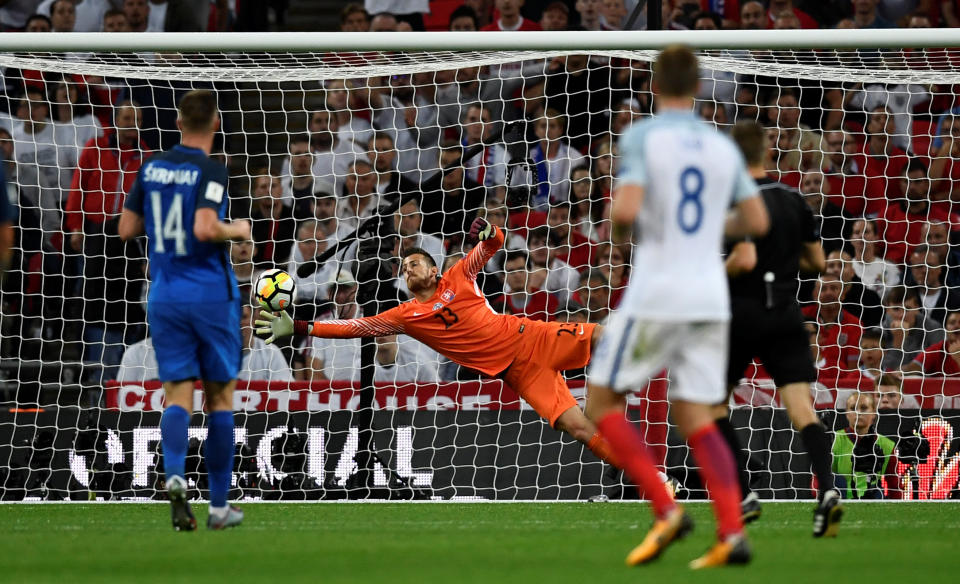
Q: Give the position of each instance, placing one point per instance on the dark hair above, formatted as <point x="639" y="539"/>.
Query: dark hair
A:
<point x="915" y="164"/>
<point x="513" y="254"/>
<point x="676" y="72"/>
<point x="561" y="205"/>
<point x="380" y="135"/>
<point x="43" y="17"/>
<point x="352" y="8"/>
<point x="592" y="274"/>
<point x="541" y="231"/>
<point x="717" y="21"/>
<point x="888" y="379"/>
<point x="872" y="332"/>
<point x="114" y="12"/>
<point x="299" y="139"/>
<point x="752" y="141"/>
<point x="464" y="11"/>
<point x="418" y="251"/>
<point x="198" y="110"/>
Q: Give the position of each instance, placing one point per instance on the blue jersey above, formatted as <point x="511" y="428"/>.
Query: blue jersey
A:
<point x="170" y="187"/>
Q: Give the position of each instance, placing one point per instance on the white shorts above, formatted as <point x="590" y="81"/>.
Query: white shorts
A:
<point x="633" y="349"/>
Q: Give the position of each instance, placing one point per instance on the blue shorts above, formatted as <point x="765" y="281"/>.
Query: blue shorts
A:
<point x="196" y="340"/>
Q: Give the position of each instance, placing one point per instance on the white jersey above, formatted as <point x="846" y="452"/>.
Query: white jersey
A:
<point x="691" y="176"/>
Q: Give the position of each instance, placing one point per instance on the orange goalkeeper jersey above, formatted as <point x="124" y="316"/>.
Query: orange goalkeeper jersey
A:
<point x="456" y="321"/>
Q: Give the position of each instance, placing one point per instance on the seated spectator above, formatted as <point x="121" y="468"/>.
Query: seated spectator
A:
<point x="583" y="207"/>
<point x="510" y="17"/>
<point x="900" y="415"/>
<point x="115" y="20"/>
<point x="360" y="200"/>
<point x="478" y="129"/>
<point x="353" y="18"/>
<point x="407" y="221"/>
<point x="612" y="263"/>
<point x="838" y="335"/>
<point x="885" y="162"/>
<point x="298" y="184"/>
<point x="573" y="311"/>
<point x="890" y="388"/>
<point x="569" y="245"/>
<point x="753" y="15"/>
<point x="857" y="299"/>
<point x="594" y="293"/>
<point x="401" y="359"/>
<point x="324" y="206"/>
<point x="864" y="463"/>
<point x="871" y="353"/>
<point x="63" y="15"/>
<point x="463" y="18"/>
<point x="602" y="166"/>
<point x="261" y="362"/>
<point x="383" y="22"/>
<point x="38" y="23"/>
<point x="561" y="277"/>
<point x="906" y="330"/>
<point x="783" y="7"/>
<point x="865" y="15"/>
<point x="523" y="292"/>
<point x="937" y="238"/>
<point x="800" y="147"/>
<point x="332" y="154"/>
<point x="73" y="121"/>
<point x="241" y="257"/>
<point x="589" y="11"/>
<point x="405" y="107"/>
<point x="926" y="277"/>
<point x="274" y="227"/>
<point x="312" y="240"/>
<point x="349" y="117"/>
<point x="389" y="180"/>
<point x="555" y="17"/>
<point x="943" y="358"/>
<point x="899" y="101"/>
<point x="138" y="15"/>
<point x="843" y="166"/>
<point x="577" y="98"/>
<point x="828" y="217"/>
<point x="876" y="273"/>
<point x="553" y="160"/>
<point x="450" y="210"/>
<point x="613" y="14"/>
<point x="904" y="221"/>
<point x="944" y="166"/>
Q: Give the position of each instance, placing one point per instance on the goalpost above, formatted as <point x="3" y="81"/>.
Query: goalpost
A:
<point x="525" y="124"/>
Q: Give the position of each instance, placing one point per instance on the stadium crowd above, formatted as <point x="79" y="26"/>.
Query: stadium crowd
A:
<point x="877" y="163"/>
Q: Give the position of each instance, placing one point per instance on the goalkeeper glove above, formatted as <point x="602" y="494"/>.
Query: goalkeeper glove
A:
<point x="481" y="230"/>
<point x="275" y="326"/>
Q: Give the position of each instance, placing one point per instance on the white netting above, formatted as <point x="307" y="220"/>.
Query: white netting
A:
<point x="316" y="143"/>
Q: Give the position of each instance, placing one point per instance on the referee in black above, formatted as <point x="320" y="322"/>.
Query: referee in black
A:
<point x="767" y="324"/>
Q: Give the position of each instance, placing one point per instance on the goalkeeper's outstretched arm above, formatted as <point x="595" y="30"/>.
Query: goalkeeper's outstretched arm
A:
<point x="385" y="323"/>
<point x="490" y="239"/>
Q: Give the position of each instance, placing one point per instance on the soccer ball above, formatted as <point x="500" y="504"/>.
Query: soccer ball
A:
<point x="275" y="290"/>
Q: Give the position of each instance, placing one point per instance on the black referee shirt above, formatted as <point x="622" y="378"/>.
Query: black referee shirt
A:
<point x="774" y="281"/>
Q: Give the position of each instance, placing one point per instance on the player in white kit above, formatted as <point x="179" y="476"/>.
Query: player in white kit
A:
<point x="682" y="186"/>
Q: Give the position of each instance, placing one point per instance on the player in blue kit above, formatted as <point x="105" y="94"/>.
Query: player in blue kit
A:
<point x="180" y="197"/>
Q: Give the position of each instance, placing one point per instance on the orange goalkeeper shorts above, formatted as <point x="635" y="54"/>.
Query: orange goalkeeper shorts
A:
<point x="546" y="349"/>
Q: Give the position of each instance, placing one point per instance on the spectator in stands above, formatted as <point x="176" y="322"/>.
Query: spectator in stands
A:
<point x="510" y="17"/>
<point x="63" y="15"/>
<point x="337" y="358"/>
<point x="890" y="388"/>
<point x="577" y="100"/>
<point x="785" y="7"/>
<point x="905" y="221"/>
<point x="463" y="18"/>
<point x="871" y="353"/>
<point x="38" y="23"/>
<point x="613" y="14"/>
<point x="800" y="147"/>
<point x="407" y="222"/>
<point x="241" y="257"/>
<point x="589" y="11"/>
<point x="447" y="212"/>
<point x="389" y="180"/>
<point x="856" y="298"/>
<point x="299" y="183"/>
<point x="113" y="270"/>
<point x="115" y="20"/>
<point x="787" y="21"/>
<point x="899" y="102"/>
<point x="753" y="15"/>
<point x="601" y="163"/>
<point x="937" y="238"/>
<point x="611" y="261"/>
<point x="74" y="125"/>
<point x="843" y="166"/>
<point x="944" y="168"/>
<point x="943" y="358"/>
<point x="312" y="240"/>
<point x="876" y="273"/>
<point x="862" y="459"/>
<point x="713" y="113"/>
<point x="561" y="277"/>
<point x="350" y="116"/>
<point x="407" y="110"/>
<point x="353" y="18"/>
<point x="483" y="9"/>
<point x="567" y="244"/>
<point x="383" y="22"/>
<point x="829" y="218"/>
<point x="838" y="335"/>
<point x="594" y="293"/>
<point x="332" y="150"/>
<point x="706" y="20"/>
<point x="325" y="208"/>
<point x="906" y="329"/>
<point x="583" y="207"/>
<point x="885" y="162"/>
<point x="865" y="15"/>
<point x="455" y="91"/>
<point x="273" y="224"/>
<point x="477" y="124"/>
<point x="926" y="277"/>
<point x="401" y="359"/>
<point x="555" y="17"/>
<point x="524" y="293"/>
<point x="361" y="198"/>
<point x="138" y="15"/>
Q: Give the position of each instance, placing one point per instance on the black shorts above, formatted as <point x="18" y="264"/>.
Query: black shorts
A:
<point x="774" y="336"/>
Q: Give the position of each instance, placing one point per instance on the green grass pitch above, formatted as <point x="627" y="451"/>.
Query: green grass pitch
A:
<point x="456" y="543"/>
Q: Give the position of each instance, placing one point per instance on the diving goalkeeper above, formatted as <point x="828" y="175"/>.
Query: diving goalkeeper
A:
<point x="450" y="315"/>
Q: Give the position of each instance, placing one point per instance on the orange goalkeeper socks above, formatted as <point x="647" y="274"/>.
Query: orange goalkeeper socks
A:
<point x="599" y="446"/>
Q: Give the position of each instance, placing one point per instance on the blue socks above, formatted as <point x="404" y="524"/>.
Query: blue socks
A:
<point x="173" y="433"/>
<point x="218" y="452"/>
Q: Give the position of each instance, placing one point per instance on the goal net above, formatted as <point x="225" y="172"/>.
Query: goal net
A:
<point x="330" y="150"/>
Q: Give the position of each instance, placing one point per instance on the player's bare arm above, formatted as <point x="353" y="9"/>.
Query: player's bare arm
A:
<point x="131" y="225"/>
<point x="748" y="219"/>
<point x="812" y="258"/>
<point x="207" y="226"/>
<point x="627" y="200"/>
<point x="742" y="259"/>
